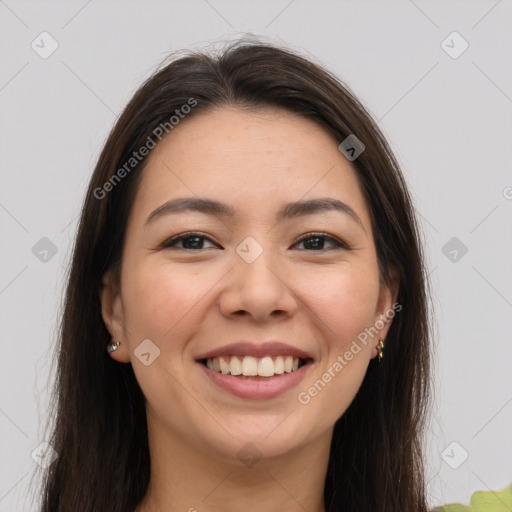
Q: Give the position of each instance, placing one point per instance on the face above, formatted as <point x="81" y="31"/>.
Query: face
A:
<point x="279" y="264"/>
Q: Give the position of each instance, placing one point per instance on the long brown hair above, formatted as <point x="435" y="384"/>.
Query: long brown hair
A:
<point x="99" y="431"/>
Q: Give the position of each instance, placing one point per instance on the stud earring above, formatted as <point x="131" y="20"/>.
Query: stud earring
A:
<point x="112" y="347"/>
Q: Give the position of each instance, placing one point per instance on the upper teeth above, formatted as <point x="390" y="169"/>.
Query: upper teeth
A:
<point x="252" y="366"/>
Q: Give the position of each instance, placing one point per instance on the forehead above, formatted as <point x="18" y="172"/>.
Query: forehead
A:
<point x="254" y="160"/>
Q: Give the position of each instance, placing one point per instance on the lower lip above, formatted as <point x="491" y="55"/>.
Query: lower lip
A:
<point x="263" y="388"/>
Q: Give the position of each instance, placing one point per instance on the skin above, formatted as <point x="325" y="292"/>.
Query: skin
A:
<point x="189" y="301"/>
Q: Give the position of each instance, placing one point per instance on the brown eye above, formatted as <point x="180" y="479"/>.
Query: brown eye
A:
<point x="190" y="241"/>
<point x="317" y="241"/>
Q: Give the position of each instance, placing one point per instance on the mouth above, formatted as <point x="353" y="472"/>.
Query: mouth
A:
<point x="255" y="368"/>
<point x="255" y="371"/>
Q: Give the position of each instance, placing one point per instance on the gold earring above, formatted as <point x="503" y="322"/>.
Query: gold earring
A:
<point x="381" y="347"/>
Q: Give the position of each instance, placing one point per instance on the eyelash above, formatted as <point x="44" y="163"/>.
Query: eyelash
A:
<point x="171" y="242"/>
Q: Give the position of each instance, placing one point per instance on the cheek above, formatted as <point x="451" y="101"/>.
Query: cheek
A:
<point x="345" y="300"/>
<point x="160" y="300"/>
<point x="345" y="305"/>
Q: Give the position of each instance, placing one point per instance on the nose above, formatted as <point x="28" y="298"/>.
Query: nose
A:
<point x="259" y="290"/>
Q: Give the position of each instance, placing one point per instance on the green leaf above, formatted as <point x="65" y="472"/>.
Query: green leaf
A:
<point x="483" y="501"/>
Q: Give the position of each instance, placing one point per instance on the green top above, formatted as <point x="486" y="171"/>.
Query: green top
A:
<point x="483" y="501"/>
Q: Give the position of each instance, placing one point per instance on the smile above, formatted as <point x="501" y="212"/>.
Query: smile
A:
<point x="255" y="370"/>
<point x="249" y="366"/>
<point x="254" y="386"/>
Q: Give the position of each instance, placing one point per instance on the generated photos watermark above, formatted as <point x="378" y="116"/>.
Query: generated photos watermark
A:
<point x="137" y="156"/>
<point x="304" y="397"/>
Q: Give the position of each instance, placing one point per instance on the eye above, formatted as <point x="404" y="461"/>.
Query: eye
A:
<point x="195" y="241"/>
<point x="191" y="241"/>
<point x="316" y="241"/>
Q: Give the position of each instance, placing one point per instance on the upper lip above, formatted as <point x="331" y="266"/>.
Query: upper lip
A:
<point x="259" y="350"/>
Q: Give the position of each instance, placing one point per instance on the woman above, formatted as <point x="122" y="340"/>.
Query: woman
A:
<point x="246" y="322"/>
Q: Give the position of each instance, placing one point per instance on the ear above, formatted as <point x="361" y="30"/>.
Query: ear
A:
<point x="387" y="307"/>
<point x="113" y="316"/>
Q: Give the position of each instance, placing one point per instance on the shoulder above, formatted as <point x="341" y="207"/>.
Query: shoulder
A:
<point x="483" y="501"/>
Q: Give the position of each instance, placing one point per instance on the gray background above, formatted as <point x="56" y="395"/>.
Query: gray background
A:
<point x="448" y="121"/>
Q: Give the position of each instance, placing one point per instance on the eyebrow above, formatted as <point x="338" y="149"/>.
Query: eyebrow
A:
<point x="288" y="211"/>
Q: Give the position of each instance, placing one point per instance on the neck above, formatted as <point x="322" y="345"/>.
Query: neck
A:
<point x="190" y="477"/>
